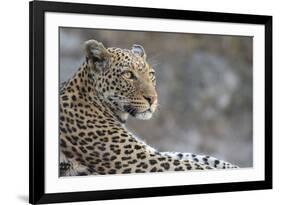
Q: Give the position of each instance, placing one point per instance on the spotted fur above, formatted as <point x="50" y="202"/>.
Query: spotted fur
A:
<point x="95" y="103"/>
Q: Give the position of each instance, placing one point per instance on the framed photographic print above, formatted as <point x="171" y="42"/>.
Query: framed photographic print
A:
<point x="140" y="102"/>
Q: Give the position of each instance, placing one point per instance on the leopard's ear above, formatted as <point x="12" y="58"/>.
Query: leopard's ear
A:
<point x="97" y="55"/>
<point x="138" y="50"/>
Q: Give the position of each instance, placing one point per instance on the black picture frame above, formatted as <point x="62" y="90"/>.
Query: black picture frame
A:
<point x="37" y="9"/>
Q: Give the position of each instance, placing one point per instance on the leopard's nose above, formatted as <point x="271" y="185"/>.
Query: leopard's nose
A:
<point x="151" y="99"/>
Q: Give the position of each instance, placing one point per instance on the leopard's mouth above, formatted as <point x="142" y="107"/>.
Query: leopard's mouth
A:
<point x="144" y="115"/>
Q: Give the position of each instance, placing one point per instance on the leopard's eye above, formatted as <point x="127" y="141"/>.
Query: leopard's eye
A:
<point x="152" y="75"/>
<point x="129" y="75"/>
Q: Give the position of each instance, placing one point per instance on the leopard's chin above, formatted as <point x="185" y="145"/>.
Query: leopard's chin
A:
<point x="144" y="115"/>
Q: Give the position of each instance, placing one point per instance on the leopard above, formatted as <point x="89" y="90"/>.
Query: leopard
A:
<point x="94" y="105"/>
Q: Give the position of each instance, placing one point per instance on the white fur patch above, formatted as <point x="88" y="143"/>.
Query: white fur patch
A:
<point x="144" y="116"/>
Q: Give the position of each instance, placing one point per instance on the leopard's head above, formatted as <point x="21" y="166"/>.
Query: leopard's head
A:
<point x="123" y="78"/>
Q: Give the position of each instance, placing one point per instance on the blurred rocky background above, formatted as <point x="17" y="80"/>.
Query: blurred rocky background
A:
<point x="204" y="84"/>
